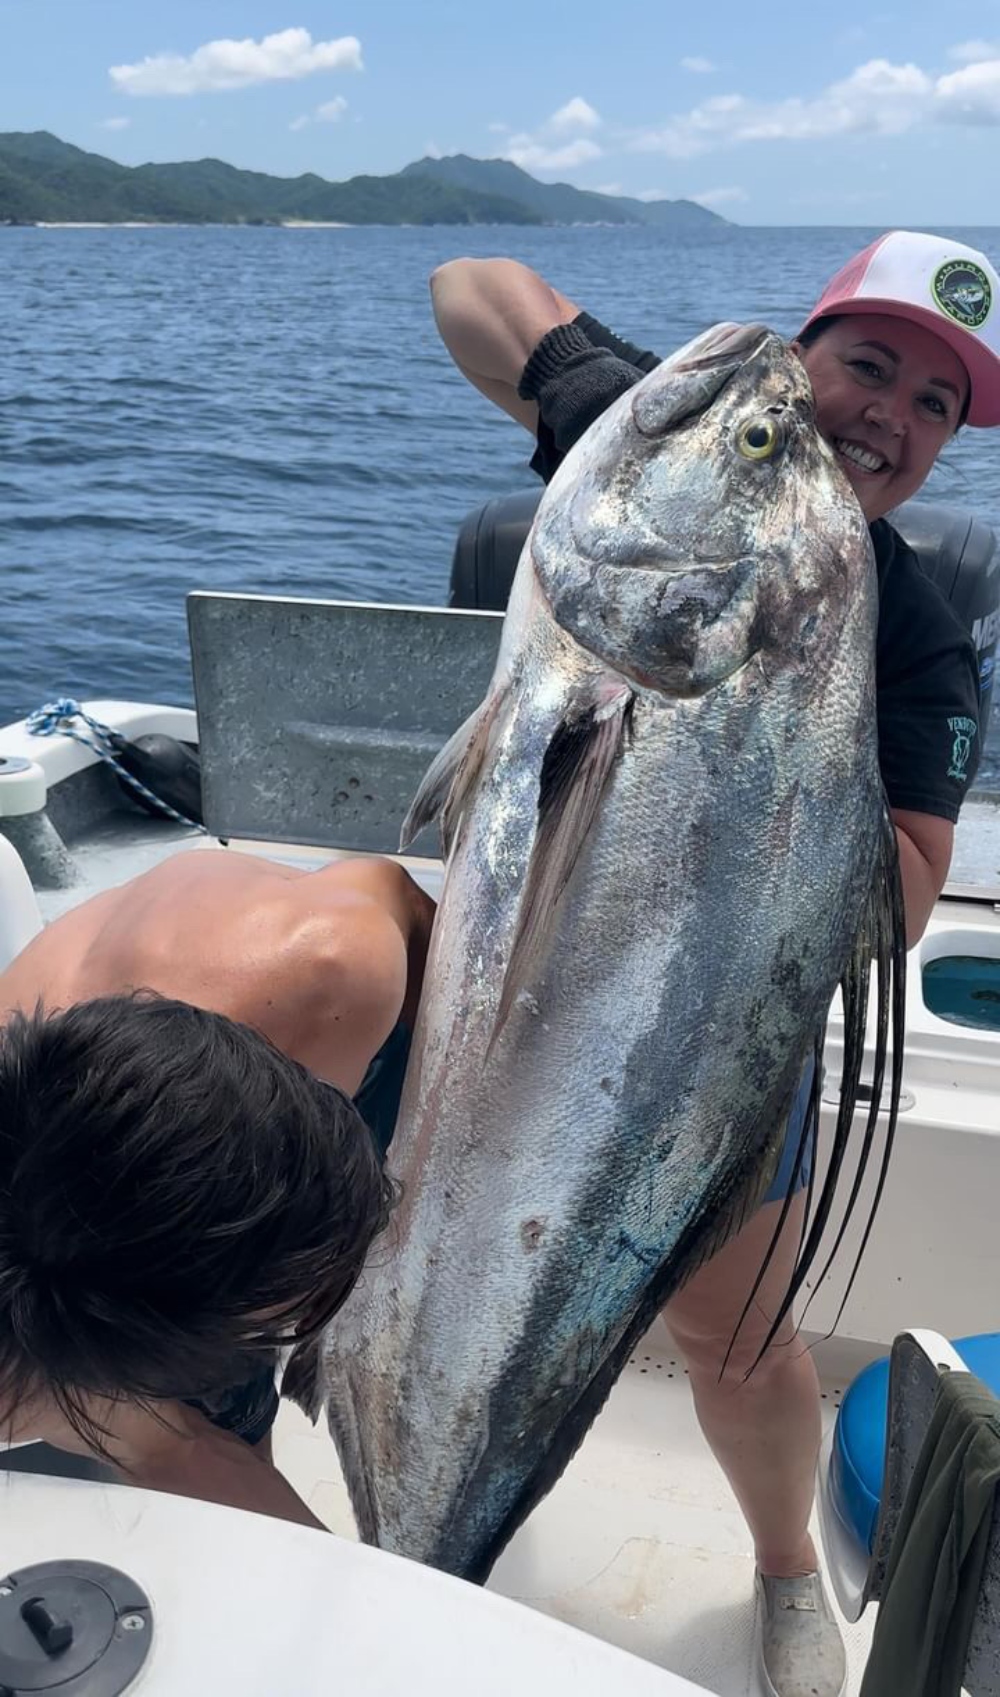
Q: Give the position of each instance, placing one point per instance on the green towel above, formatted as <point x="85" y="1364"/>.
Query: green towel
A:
<point x="938" y="1555"/>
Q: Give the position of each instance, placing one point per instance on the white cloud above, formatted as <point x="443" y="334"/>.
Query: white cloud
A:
<point x="432" y="150"/>
<point x="970" y="52"/>
<point x="534" y="155"/>
<point x="329" y="113"/>
<point x="219" y="65"/>
<point x="878" y="98"/>
<point x="609" y="188"/>
<point x="577" y="114"/>
<point x="498" y="129"/>
<point x="700" y="67"/>
<point x="720" y="197"/>
<point x="546" y="150"/>
<point x="972" y="95"/>
<point x="651" y="195"/>
<point x="114" y="123"/>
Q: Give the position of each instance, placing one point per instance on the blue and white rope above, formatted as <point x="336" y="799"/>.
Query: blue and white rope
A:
<point x="56" y="718"/>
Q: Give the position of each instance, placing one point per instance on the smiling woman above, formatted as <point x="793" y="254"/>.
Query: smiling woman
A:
<point x="902" y="348"/>
<point x="889" y="395"/>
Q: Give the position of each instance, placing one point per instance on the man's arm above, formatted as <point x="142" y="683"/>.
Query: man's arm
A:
<point x="491" y="315"/>
<point x="925" y="847"/>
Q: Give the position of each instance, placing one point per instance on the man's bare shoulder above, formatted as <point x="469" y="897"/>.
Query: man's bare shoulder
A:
<point x="323" y="962"/>
<point x="153" y="932"/>
<point x="278" y="946"/>
<point x="238" y="881"/>
<point x="320" y="961"/>
<point x="350" y="937"/>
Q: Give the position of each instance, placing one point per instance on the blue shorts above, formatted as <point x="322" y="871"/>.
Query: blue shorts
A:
<point x="377" y="1101"/>
<point x="781" y="1184"/>
<point x="248" y="1410"/>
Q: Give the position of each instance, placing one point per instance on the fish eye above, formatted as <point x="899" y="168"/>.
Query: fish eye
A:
<point x="758" y="440"/>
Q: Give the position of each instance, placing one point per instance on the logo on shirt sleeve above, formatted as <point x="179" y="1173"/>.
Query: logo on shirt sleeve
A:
<point x="963" y="732"/>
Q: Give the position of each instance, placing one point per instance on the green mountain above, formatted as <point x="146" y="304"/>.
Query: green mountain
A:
<point x="559" y="203"/>
<point x="43" y="179"/>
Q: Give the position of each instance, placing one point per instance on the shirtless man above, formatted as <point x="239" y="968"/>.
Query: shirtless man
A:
<point x="186" y="1186"/>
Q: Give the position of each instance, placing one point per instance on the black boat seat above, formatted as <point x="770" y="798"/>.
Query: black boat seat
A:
<point x="956" y="549"/>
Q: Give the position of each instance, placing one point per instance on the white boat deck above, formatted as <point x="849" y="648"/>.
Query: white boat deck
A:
<point x="640" y="1543"/>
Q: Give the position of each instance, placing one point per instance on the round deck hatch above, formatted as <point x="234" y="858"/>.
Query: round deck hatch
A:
<point x="73" y="1627"/>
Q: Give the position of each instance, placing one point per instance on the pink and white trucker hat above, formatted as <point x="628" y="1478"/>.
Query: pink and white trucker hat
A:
<point x="951" y="289"/>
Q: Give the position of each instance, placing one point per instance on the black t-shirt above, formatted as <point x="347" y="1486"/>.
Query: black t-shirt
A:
<point x="928" y="686"/>
<point x="926" y="672"/>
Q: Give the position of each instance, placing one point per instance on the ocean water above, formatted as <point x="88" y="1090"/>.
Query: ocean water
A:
<point x="271" y="410"/>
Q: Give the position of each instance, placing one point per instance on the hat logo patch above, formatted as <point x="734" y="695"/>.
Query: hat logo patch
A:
<point x="962" y="290"/>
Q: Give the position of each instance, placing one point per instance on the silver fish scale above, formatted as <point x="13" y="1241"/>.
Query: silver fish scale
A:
<point x="561" y="1183"/>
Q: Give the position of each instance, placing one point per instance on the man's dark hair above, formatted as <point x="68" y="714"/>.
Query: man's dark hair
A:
<point x="176" y="1197"/>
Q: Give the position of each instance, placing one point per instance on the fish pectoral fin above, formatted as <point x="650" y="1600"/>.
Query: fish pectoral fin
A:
<point x="578" y="763"/>
<point x="452" y="775"/>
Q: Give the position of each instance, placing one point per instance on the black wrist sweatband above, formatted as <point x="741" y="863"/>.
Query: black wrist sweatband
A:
<point x="600" y="336"/>
<point x="573" y="382"/>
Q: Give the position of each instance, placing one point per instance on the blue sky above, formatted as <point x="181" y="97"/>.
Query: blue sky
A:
<point x="780" y="113"/>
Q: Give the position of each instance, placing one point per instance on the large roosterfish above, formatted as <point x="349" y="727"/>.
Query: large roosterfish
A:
<point x="667" y="844"/>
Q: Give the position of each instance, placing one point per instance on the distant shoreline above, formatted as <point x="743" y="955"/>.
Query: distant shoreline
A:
<point x="176" y="224"/>
<point x="290" y="224"/>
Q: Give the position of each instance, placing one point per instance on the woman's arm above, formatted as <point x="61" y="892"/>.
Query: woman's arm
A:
<point x="491" y="315"/>
<point x="925" y="844"/>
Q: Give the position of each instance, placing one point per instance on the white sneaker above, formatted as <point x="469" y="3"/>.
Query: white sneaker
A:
<point x="800" y="1650"/>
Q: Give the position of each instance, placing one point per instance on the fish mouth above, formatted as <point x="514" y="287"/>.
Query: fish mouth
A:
<point x="687" y="384"/>
<point x="719" y="345"/>
<point x="653" y="561"/>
